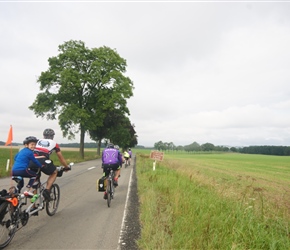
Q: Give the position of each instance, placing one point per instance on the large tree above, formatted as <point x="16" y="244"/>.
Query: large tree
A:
<point x="80" y="86"/>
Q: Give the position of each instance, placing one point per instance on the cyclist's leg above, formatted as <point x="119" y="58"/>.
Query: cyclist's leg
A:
<point x="26" y="173"/>
<point x="106" y="172"/>
<point x="33" y="181"/>
<point x="116" y="169"/>
<point x="48" y="169"/>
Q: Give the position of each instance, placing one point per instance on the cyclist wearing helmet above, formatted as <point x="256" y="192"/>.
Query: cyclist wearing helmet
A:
<point x="130" y="154"/>
<point x="21" y="165"/>
<point x="123" y="159"/>
<point x="126" y="156"/>
<point x="44" y="148"/>
<point x="111" y="158"/>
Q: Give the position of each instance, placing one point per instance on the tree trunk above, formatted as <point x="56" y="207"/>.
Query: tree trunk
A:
<point x="99" y="147"/>
<point x="82" y="143"/>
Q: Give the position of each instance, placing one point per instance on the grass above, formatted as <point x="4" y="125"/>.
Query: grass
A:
<point x="70" y="154"/>
<point x="214" y="201"/>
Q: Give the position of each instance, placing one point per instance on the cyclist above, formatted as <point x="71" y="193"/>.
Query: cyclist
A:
<point x="123" y="159"/>
<point x="126" y="156"/>
<point x="21" y="165"/>
<point x="111" y="158"/>
<point x="44" y="148"/>
<point x="130" y="153"/>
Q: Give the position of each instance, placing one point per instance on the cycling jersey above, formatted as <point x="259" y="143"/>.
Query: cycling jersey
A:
<point x="22" y="159"/>
<point x="111" y="156"/>
<point x="45" y="147"/>
<point x="126" y="154"/>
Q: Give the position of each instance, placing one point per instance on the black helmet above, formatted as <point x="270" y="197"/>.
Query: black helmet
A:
<point x="110" y="145"/>
<point x="48" y="133"/>
<point x="30" y="139"/>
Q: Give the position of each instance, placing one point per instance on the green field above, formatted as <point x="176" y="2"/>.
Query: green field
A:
<point x="214" y="201"/>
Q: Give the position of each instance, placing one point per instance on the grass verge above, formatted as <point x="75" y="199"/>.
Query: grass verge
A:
<point x="182" y="209"/>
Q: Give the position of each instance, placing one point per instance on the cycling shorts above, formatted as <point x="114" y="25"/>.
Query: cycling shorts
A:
<point x="126" y="158"/>
<point x="108" y="167"/>
<point x="47" y="169"/>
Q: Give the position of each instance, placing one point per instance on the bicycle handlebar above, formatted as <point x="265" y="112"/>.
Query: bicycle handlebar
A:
<point x="62" y="168"/>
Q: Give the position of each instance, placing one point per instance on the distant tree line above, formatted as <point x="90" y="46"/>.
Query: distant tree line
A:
<point x="193" y="147"/>
<point x="266" y="150"/>
<point x="196" y="147"/>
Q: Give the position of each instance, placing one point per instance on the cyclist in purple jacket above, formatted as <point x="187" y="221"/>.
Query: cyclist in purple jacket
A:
<point x="112" y="158"/>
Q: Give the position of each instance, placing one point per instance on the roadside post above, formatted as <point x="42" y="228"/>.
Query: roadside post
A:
<point x="156" y="156"/>
<point x="7" y="165"/>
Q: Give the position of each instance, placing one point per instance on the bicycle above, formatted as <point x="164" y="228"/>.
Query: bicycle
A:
<point x="110" y="189"/>
<point x="12" y="214"/>
<point x="127" y="162"/>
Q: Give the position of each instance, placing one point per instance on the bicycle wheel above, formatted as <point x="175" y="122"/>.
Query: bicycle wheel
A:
<point x="7" y="229"/>
<point x="52" y="205"/>
<point x="109" y="186"/>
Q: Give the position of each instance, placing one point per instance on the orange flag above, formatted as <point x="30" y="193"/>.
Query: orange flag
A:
<point x="10" y="137"/>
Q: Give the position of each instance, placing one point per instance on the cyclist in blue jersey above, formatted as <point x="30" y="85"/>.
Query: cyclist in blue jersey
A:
<point x="111" y="158"/>
<point x="21" y="165"/>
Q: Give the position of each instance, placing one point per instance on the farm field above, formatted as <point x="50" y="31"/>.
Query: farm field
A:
<point x="214" y="201"/>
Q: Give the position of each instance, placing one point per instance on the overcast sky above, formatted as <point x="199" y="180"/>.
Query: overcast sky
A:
<point x="215" y="72"/>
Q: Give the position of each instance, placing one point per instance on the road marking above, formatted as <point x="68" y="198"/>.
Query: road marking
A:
<point x="125" y="212"/>
<point x="91" y="168"/>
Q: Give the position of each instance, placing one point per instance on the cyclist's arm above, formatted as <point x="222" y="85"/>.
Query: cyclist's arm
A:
<point x="61" y="159"/>
<point x="34" y="160"/>
<point x="120" y="158"/>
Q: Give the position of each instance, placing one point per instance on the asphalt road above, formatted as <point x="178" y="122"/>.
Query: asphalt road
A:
<point x="83" y="219"/>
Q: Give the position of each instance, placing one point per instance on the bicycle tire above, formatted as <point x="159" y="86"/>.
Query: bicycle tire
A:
<point x="52" y="205"/>
<point x="6" y="232"/>
<point x="109" y="198"/>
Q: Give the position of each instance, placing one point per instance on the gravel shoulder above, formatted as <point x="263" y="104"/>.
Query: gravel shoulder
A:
<point x="132" y="227"/>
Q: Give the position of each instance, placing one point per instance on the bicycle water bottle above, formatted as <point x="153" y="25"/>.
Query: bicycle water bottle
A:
<point x="34" y="198"/>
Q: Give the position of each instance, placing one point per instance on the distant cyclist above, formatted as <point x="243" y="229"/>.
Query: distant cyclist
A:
<point x="130" y="153"/>
<point x="44" y="148"/>
<point x="123" y="159"/>
<point x="126" y="156"/>
<point x="111" y="158"/>
<point x="21" y="165"/>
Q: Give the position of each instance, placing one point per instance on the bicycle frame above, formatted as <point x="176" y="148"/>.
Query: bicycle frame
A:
<point x="110" y="187"/>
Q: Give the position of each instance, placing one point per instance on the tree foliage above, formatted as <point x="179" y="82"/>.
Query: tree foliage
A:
<point x="81" y="86"/>
<point x="117" y="128"/>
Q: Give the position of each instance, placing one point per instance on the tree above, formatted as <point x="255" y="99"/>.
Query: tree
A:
<point x="80" y="86"/>
<point x="117" y="128"/>
<point x="207" y="147"/>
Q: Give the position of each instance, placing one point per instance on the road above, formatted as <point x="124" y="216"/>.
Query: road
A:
<point x="83" y="219"/>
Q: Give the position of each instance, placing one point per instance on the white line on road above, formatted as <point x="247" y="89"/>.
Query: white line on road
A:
<point x="125" y="212"/>
<point x="91" y="168"/>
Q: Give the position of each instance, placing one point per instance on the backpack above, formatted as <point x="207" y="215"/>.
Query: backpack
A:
<point x="102" y="184"/>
